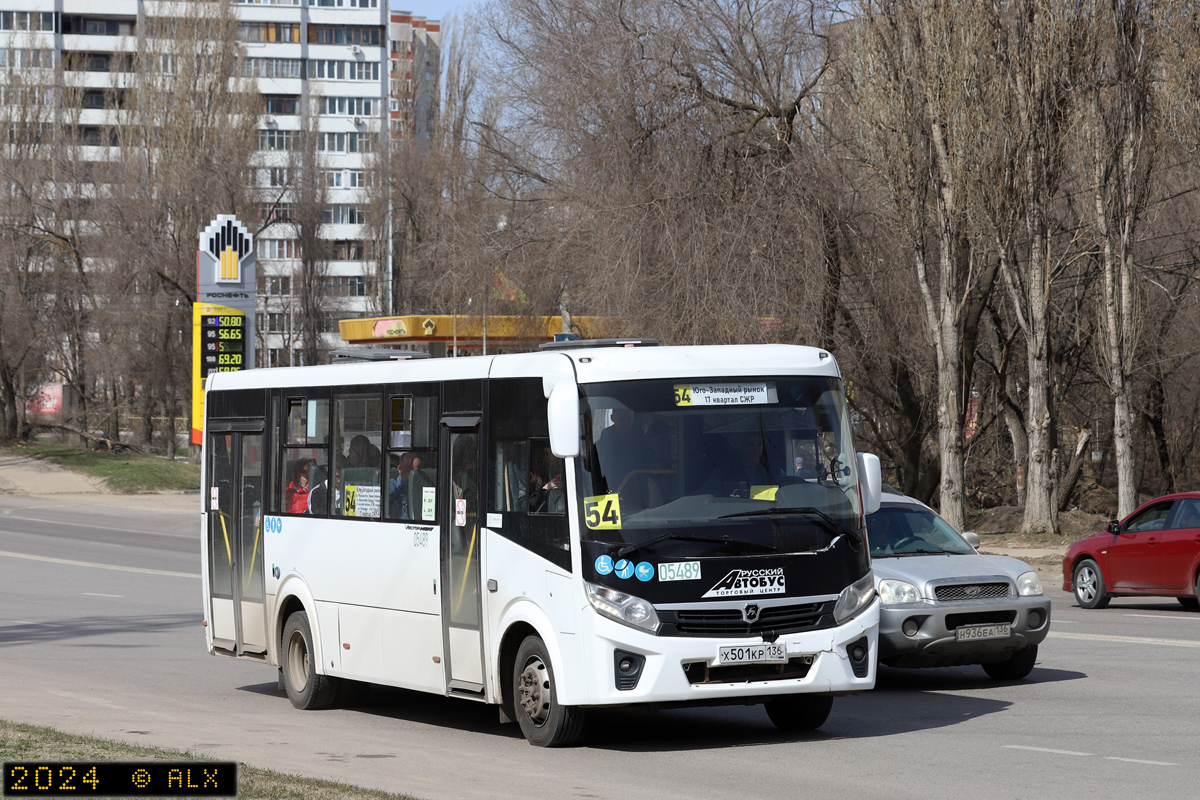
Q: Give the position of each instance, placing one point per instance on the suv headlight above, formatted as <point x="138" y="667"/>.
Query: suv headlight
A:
<point x="854" y="598"/>
<point x="624" y="608"/>
<point x="1028" y="584"/>
<point x="892" y="592"/>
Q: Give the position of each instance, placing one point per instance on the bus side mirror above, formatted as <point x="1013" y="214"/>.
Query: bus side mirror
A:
<point x="563" y="412"/>
<point x="871" y="481"/>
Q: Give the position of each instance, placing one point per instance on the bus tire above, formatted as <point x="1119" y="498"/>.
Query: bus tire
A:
<point x="797" y="713"/>
<point x="543" y="721"/>
<point x="305" y="687"/>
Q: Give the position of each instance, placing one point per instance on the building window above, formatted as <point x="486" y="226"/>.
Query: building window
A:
<point x="277" y="285"/>
<point x="347" y="250"/>
<point x="364" y="70"/>
<point x="344" y="3"/>
<point x="277" y="249"/>
<point x="349" y="106"/>
<point x="270" y="213"/>
<point x="344" y="34"/>
<point x="277" y="140"/>
<point x="27" y="21"/>
<point x="282" y="105"/>
<point x="269" y="32"/>
<point x="272" y="68"/>
<point x="341" y="214"/>
<point x="326" y="70"/>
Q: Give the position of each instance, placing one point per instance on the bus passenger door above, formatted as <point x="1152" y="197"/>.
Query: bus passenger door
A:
<point x="461" y="539"/>
<point x="235" y="542"/>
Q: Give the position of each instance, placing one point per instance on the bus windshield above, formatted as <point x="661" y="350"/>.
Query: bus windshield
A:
<point x="718" y="466"/>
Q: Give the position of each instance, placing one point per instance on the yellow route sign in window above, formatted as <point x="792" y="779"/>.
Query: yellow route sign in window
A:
<point x="602" y="512"/>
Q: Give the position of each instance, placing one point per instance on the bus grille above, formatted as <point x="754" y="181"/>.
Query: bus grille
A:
<point x="794" y="668"/>
<point x="729" y="621"/>
<point x="972" y="591"/>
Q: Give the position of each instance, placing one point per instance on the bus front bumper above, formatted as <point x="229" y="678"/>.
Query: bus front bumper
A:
<point x="687" y="670"/>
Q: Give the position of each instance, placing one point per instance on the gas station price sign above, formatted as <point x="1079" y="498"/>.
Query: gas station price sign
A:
<point x="222" y="343"/>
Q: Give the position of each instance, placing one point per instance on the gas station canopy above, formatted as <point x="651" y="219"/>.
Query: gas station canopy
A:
<point x="471" y="331"/>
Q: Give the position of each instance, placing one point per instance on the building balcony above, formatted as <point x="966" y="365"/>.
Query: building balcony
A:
<point x="85" y="43"/>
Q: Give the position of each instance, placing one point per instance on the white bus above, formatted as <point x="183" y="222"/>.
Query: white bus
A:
<point x="595" y="524"/>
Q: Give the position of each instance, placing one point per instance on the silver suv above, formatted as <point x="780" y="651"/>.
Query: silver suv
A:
<point x="944" y="604"/>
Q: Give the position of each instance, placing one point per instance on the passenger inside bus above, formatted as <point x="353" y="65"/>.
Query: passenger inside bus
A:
<point x="362" y="453"/>
<point x="621" y="448"/>
<point x="318" y="495"/>
<point x="398" y="488"/>
<point x="296" y="496"/>
<point x="546" y="492"/>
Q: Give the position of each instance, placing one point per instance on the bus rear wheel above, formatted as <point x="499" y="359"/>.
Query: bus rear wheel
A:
<point x="796" y="713"/>
<point x="544" y="721"/>
<point x="305" y="688"/>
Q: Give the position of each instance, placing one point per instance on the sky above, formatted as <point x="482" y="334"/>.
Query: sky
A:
<point x="434" y="9"/>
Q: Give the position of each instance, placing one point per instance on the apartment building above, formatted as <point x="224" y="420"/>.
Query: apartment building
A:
<point x="354" y="74"/>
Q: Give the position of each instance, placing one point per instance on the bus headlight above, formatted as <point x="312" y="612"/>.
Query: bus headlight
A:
<point x="854" y="598"/>
<point x="1028" y="584"/>
<point x="624" y="608"/>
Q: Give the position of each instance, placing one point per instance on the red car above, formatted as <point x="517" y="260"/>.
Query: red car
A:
<point x="1155" y="551"/>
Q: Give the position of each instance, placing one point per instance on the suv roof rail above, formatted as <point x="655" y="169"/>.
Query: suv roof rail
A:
<point x="584" y="344"/>
<point x="358" y="355"/>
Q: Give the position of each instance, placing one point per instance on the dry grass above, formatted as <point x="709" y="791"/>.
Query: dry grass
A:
<point x="19" y="742"/>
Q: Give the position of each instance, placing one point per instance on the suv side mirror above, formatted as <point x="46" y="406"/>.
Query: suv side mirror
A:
<point x="972" y="538"/>
<point x="1114" y="526"/>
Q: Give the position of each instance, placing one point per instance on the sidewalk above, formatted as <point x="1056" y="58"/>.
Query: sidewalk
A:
<point x="33" y="478"/>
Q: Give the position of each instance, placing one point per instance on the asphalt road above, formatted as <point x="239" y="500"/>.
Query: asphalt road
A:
<point x="100" y="634"/>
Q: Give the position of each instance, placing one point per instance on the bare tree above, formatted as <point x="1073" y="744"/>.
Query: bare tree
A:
<point x="1119" y="107"/>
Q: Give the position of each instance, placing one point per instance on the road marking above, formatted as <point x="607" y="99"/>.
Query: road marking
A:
<point x="1099" y="637"/>
<point x="97" y="594"/>
<point x="1184" y="615"/>
<point x="1046" y="750"/>
<point x="1088" y="755"/>
<point x="94" y="565"/>
<point x="95" y="527"/>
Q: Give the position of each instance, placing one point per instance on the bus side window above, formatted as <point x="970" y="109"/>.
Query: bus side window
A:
<point x="305" y="457"/>
<point x="525" y="481"/>
<point x="510" y="484"/>
<point x="412" y="462"/>
<point x="547" y="487"/>
<point x="357" y="458"/>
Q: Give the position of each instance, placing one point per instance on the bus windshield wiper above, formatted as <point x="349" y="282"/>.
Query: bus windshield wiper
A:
<point x="829" y="523"/>
<point x="687" y="537"/>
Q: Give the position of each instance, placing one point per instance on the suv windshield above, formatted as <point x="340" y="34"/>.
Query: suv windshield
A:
<point x="898" y="530"/>
<point x="718" y="466"/>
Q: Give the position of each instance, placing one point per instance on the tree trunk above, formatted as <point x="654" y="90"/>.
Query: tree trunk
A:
<point x="1041" y="512"/>
<point x="1072" y="475"/>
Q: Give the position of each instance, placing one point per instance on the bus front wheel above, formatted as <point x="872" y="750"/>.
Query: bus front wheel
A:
<point x="305" y="688"/>
<point x="799" y="712"/>
<point x="543" y="720"/>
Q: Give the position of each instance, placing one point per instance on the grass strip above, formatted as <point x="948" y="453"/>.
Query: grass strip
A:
<point x="20" y="742"/>
<point x="126" y="473"/>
